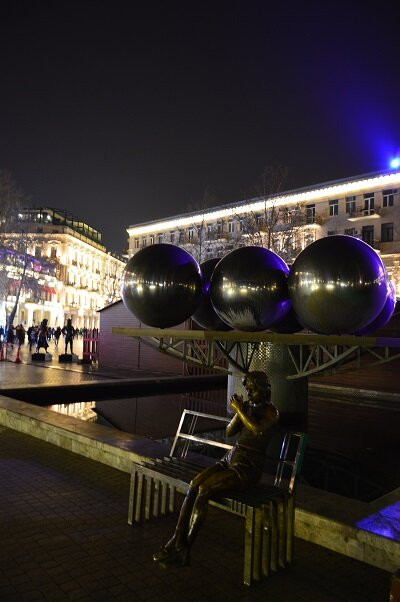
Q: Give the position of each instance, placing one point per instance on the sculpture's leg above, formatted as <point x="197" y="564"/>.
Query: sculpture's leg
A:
<point x="227" y="480"/>
<point x="175" y="549"/>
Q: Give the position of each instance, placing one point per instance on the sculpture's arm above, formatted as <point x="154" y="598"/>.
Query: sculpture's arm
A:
<point x="258" y="427"/>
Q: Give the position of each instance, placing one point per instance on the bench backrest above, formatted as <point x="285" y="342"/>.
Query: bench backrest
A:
<point x="284" y="454"/>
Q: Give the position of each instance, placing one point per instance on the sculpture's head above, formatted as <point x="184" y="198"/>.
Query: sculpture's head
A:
<point x="257" y="386"/>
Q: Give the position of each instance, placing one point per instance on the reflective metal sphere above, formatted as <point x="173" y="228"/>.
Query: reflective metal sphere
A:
<point x="337" y="285"/>
<point x="205" y="315"/>
<point x="161" y="285"/>
<point x="384" y="317"/>
<point x="249" y="288"/>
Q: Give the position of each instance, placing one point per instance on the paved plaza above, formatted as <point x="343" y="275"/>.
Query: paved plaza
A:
<point x="65" y="537"/>
<point x="64" y="533"/>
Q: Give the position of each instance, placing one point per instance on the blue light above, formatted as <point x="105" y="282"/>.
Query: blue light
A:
<point x="395" y="163"/>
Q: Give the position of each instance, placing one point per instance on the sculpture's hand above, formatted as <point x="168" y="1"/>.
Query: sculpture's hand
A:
<point x="236" y="402"/>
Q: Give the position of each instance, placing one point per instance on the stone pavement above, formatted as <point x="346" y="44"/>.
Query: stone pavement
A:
<point x="64" y="536"/>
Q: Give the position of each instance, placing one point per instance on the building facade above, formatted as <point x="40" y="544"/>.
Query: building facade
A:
<point x="367" y="207"/>
<point x="70" y="272"/>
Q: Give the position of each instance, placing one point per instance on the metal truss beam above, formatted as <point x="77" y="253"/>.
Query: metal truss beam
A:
<point x="310" y="354"/>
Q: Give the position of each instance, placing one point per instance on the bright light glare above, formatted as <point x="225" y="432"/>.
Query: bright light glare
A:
<point x="395" y="163"/>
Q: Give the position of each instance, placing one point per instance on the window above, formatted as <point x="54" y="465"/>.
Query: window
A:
<point x="209" y="229"/>
<point x="333" y="207"/>
<point x="241" y="224"/>
<point x="331" y="232"/>
<point x="144" y="241"/>
<point x="152" y="239"/>
<point x="369" y="200"/>
<point x="172" y="237"/>
<point x="388" y="197"/>
<point x="38" y="252"/>
<point x="350" y="205"/>
<point x="387" y="232"/>
<point x="190" y="233"/>
<point x="368" y="234"/>
<point x="136" y="243"/>
<point x="231" y="226"/>
<point x="220" y="227"/>
<point x="310" y="214"/>
<point x="160" y="238"/>
<point x="351" y="231"/>
<point x="53" y="253"/>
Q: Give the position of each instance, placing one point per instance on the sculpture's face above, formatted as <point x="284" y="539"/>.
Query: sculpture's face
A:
<point x="257" y="392"/>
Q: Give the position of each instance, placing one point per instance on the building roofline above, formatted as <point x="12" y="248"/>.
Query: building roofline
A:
<point x="109" y="305"/>
<point x="285" y="193"/>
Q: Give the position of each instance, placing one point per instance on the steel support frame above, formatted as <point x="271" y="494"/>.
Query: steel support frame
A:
<point x="307" y="358"/>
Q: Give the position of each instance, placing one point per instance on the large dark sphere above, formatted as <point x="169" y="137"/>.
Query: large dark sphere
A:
<point x="249" y="288"/>
<point x="205" y="315"/>
<point x="337" y="285"/>
<point x="161" y="285"/>
<point x="384" y="316"/>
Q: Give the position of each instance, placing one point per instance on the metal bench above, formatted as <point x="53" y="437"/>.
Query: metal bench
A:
<point x="268" y="508"/>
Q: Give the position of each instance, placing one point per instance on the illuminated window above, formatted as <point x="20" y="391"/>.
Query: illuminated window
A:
<point x="387" y="232"/>
<point x="334" y="207"/>
<point x="388" y="197"/>
<point x="190" y="233"/>
<point x="310" y="214"/>
<point x="368" y="235"/>
<point x="144" y="241"/>
<point x="350" y="205"/>
<point x="160" y="238"/>
<point x="152" y="239"/>
<point x="231" y="226"/>
<point x="136" y="243"/>
<point x="369" y="203"/>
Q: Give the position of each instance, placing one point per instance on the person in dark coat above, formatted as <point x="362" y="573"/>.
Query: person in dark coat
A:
<point x="69" y="333"/>
<point x="42" y="336"/>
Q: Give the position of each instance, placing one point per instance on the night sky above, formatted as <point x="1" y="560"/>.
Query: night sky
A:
<point x="121" y="112"/>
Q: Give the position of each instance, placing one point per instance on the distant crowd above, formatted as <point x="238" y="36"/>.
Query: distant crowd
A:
<point x="41" y="336"/>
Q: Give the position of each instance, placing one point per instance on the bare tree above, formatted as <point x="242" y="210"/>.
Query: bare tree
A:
<point x="198" y="238"/>
<point x="272" y="226"/>
<point x="15" y="250"/>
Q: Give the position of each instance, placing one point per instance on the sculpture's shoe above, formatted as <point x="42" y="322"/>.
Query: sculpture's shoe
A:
<point x="172" y="556"/>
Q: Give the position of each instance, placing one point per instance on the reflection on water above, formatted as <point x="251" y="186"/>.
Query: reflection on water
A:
<point x="83" y="410"/>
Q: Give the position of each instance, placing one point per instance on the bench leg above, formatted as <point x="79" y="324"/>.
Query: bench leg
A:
<point x="290" y="528"/>
<point x="266" y="540"/>
<point x="273" y="517"/>
<point x="131" y="496"/>
<point x="148" y="499"/>
<point x="282" y="531"/>
<point x="139" y="496"/>
<point x="252" y="545"/>
<point x="248" y="546"/>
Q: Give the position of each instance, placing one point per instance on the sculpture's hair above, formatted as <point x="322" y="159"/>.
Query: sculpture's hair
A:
<point x="259" y="378"/>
